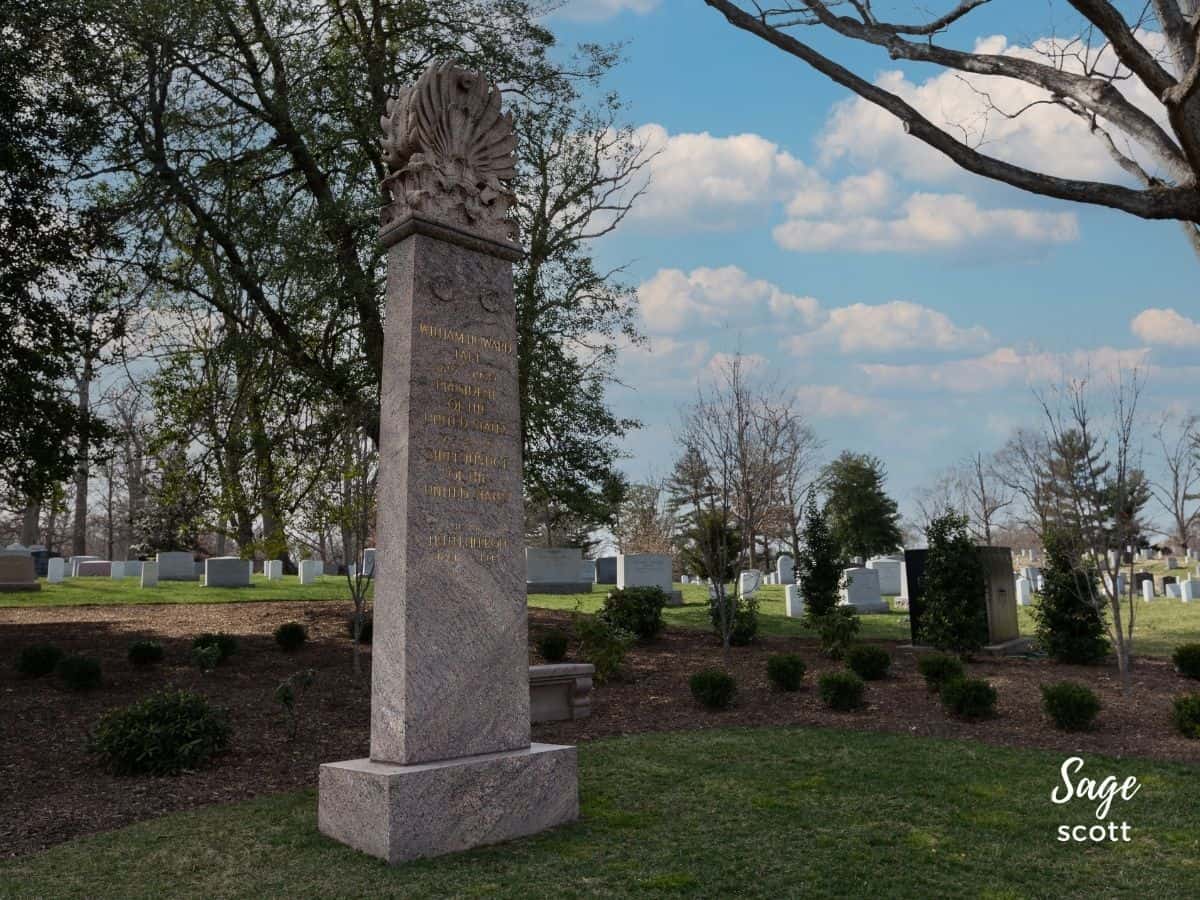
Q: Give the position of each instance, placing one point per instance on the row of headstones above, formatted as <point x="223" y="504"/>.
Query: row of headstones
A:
<point x="1188" y="589"/>
<point x="217" y="571"/>
<point x="864" y="586"/>
<point x="564" y="570"/>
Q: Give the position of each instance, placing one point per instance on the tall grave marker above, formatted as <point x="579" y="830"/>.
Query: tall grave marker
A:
<point x="451" y="764"/>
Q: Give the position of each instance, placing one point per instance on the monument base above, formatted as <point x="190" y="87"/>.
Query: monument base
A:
<point x="399" y="813"/>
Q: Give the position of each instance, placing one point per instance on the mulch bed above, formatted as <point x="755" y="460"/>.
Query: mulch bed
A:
<point x="52" y="790"/>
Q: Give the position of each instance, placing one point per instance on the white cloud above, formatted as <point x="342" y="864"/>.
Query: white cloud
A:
<point x="832" y="401"/>
<point x="702" y="182"/>
<point x="601" y="10"/>
<point x="672" y="299"/>
<point x="1004" y="367"/>
<point x="1166" y="326"/>
<point x="1045" y="135"/>
<point x="887" y="327"/>
<point x="923" y="223"/>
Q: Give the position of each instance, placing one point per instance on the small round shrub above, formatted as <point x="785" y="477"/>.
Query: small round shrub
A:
<point x="365" y="634"/>
<point x="145" y="653"/>
<point x="1187" y="660"/>
<point x="842" y="691"/>
<point x="637" y="610"/>
<point x="603" y="645"/>
<point x="869" y="662"/>
<point x="786" y="671"/>
<point x="290" y="636"/>
<point x="713" y="688"/>
<point x="552" y="646"/>
<point x="163" y="734"/>
<point x="37" y="660"/>
<point x="79" y="673"/>
<point x="206" y="657"/>
<point x="969" y="698"/>
<point x="1073" y="707"/>
<point x="1186" y="715"/>
<point x="939" y="668"/>
<point x="226" y="644"/>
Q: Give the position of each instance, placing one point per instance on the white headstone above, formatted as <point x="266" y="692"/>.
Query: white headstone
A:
<point x="685" y="579"/>
<point x="149" y="574"/>
<point x="1187" y="590"/>
<point x="862" y="590"/>
<point x="133" y="568"/>
<point x="1172" y="562"/>
<point x="319" y="567"/>
<point x="785" y="570"/>
<point x="308" y="571"/>
<point x="749" y="582"/>
<point x="227" y="571"/>
<point x="587" y="571"/>
<point x="793" y="601"/>
<point x="1173" y="590"/>
<point x="116" y="569"/>
<point x="56" y="568"/>
<point x="1148" y="589"/>
<point x="273" y="569"/>
<point x="369" y="562"/>
<point x="890" y="583"/>
<point x="1024" y="591"/>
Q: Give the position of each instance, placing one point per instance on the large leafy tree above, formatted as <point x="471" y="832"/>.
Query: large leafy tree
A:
<point x="955" y="613"/>
<point x="49" y="296"/>
<point x="863" y="519"/>
<point x="247" y="136"/>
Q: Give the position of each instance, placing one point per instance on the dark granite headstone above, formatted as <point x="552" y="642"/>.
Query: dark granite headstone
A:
<point x="1168" y="579"/>
<point x="606" y="570"/>
<point x="1139" y="578"/>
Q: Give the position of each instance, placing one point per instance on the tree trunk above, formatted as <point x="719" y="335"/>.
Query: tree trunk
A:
<point x="79" y="530"/>
<point x="29" y="523"/>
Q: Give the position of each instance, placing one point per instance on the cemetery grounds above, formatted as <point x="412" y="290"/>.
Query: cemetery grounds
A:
<point x="676" y="800"/>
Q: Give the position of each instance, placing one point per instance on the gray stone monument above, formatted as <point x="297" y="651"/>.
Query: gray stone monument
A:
<point x="308" y="571"/>
<point x="273" y="569"/>
<point x="793" y="601"/>
<point x="451" y="764"/>
<point x="17" y="573"/>
<point x="891" y="583"/>
<point x="555" y="570"/>
<point x="226" y="571"/>
<point x="606" y="570"/>
<point x="176" y="566"/>
<point x="149" y="574"/>
<point x="648" y="570"/>
<point x="861" y="590"/>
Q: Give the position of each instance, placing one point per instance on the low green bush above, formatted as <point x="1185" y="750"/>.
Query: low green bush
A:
<point x="145" y="653"/>
<point x="367" y="632"/>
<point x="1072" y="707"/>
<point x="786" y="671"/>
<point x="842" y="691"/>
<point x="713" y="688"/>
<point x="869" y="662"/>
<point x="206" y="657"/>
<point x="602" y="645"/>
<point x="837" y="629"/>
<point x="166" y="733"/>
<point x="79" y="673"/>
<point x="226" y="644"/>
<point x="291" y="636"/>
<point x="637" y="610"/>
<point x="37" y="660"/>
<point x="1186" y="715"/>
<point x="969" y="698"/>
<point x="939" y="668"/>
<point x="1187" y="660"/>
<point x="552" y="646"/>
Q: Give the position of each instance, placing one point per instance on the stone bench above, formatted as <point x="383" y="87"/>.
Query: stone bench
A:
<point x="560" y="692"/>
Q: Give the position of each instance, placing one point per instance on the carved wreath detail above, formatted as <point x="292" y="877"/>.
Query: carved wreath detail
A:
<point x="449" y="152"/>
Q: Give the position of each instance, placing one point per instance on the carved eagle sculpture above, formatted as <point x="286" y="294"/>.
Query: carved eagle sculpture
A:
<point x="449" y="151"/>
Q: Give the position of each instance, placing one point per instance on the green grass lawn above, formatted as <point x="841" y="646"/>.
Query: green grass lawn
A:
<point x="1159" y="626"/>
<point x="773" y="813"/>
<point x="109" y="592"/>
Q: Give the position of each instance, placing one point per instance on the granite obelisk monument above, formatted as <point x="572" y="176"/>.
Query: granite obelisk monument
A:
<point x="451" y="764"/>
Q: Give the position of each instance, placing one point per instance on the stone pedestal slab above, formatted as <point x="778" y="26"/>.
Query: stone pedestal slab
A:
<point x="399" y="813"/>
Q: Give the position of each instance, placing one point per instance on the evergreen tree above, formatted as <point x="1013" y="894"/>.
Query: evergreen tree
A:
<point x="1069" y="620"/>
<point x="819" y="564"/>
<point x="863" y="519"/>
<point x="954" y="617"/>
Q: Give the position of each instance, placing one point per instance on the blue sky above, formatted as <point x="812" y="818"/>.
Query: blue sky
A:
<point x="911" y="306"/>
